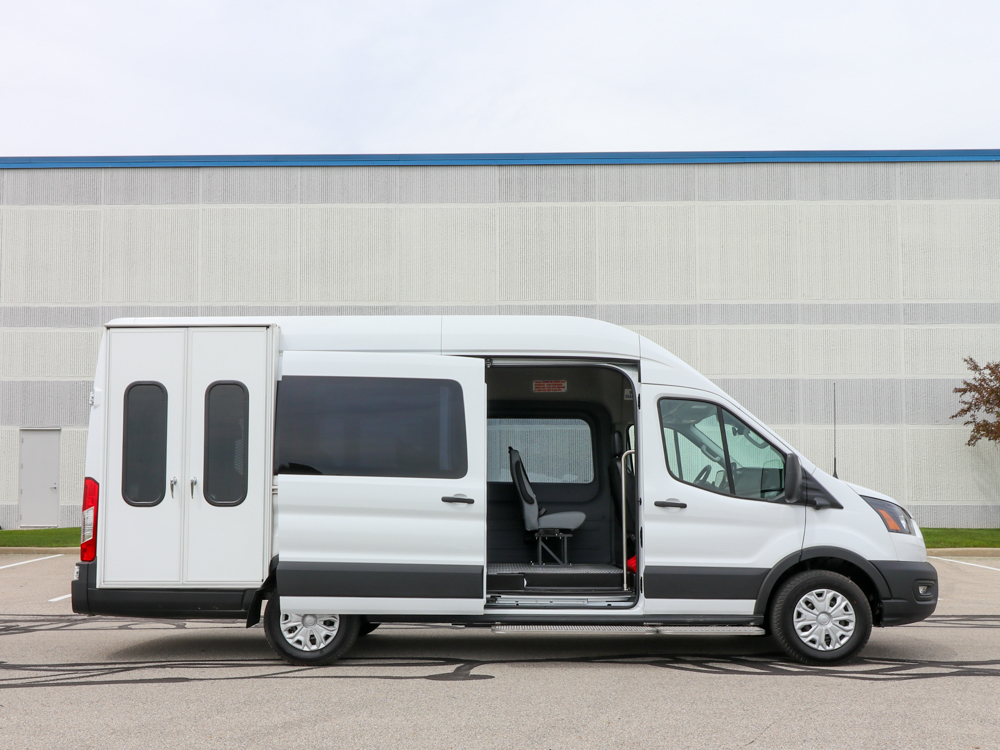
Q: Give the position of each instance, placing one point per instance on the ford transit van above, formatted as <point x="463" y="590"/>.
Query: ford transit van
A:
<point x="478" y="470"/>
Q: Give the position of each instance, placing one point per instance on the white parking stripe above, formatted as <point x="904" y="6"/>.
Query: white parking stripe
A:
<point x="25" y="562"/>
<point x="960" y="562"/>
<point x="60" y="598"/>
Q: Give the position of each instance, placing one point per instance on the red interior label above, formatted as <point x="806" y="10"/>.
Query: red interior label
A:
<point x="548" y="386"/>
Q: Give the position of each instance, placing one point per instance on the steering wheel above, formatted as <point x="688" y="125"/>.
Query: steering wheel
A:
<point x="703" y="475"/>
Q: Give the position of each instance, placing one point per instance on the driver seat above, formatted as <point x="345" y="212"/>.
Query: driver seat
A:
<point x="537" y="520"/>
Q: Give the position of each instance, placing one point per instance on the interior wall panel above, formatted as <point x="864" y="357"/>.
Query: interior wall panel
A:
<point x="150" y="255"/>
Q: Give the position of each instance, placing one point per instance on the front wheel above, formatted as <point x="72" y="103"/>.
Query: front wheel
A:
<point x="820" y="617"/>
<point x="311" y="639"/>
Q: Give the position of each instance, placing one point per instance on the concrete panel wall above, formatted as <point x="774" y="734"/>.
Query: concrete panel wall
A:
<point x="777" y="280"/>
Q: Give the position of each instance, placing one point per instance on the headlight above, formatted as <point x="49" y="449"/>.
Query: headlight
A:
<point x="895" y="518"/>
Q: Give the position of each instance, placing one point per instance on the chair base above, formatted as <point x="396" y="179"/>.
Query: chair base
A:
<point x="542" y="548"/>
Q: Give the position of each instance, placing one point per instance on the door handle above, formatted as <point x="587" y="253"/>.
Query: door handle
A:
<point x="670" y="504"/>
<point x="194" y="481"/>
<point x="457" y="499"/>
<point x="173" y="483"/>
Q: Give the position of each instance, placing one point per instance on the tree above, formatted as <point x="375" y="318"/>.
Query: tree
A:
<point x="980" y="399"/>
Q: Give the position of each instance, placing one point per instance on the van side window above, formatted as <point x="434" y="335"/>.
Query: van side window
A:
<point x="557" y="451"/>
<point x="227" y="413"/>
<point x="370" y="427"/>
<point x="144" y="444"/>
<point x="711" y="448"/>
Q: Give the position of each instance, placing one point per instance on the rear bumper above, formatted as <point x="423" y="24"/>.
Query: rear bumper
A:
<point x="906" y="580"/>
<point x="190" y="604"/>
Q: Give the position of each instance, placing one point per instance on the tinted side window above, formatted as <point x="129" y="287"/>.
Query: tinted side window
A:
<point x="693" y="442"/>
<point x="227" y="413"/>
<point x="144" y="450"/>
<point x="384" y="427"/>
<point x="556" y="451"/>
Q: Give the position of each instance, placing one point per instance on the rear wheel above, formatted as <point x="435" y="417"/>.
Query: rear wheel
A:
<point x="310" y="639"/>
<point x="820" y="617"/>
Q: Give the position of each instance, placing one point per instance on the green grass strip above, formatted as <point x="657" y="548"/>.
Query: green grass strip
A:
<point x="40" y="537"/>
<point x="961" y="537"/>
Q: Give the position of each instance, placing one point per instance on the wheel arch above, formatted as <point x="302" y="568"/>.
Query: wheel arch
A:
<point x="836" y="560"/>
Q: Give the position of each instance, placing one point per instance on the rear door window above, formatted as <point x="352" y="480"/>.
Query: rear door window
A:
<point x="227" y="413"/>
<point x="144" y="449"/>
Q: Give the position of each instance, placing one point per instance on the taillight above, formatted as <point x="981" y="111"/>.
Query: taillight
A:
<point x="88" y="531"/>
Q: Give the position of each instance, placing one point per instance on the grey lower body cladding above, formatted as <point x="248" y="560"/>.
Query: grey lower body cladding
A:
<point x="682" y="582"/>
<point x="384" y="580"/>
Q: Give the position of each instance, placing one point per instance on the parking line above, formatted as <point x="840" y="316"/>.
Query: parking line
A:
<point x="25" y="562"/>
<point x="60" y="598"/>
<point x="960" y="562"/>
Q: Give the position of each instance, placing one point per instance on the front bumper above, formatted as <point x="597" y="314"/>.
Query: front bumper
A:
<point x="913" y="588"/>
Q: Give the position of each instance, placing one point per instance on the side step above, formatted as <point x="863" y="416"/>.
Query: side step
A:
<point x="639" y="629"/>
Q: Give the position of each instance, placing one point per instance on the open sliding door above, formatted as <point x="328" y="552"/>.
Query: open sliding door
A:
<point x="381" y="474"/>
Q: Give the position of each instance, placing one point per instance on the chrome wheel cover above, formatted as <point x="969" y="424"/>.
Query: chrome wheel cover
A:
<point x="824" y="619"/>
<point x="309" y="632"/>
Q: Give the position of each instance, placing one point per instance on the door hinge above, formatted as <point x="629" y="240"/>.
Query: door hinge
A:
<point x="91" y="401"/>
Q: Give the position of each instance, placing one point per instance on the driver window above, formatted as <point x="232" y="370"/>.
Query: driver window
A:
<point x="693" y="441"/>
<point x="699" y="438"/>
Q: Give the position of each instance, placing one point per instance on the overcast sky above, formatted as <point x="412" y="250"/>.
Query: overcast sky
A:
<point x="101" y="78"/>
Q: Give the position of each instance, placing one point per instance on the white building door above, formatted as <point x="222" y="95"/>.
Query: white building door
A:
<point x="38" y="497"/>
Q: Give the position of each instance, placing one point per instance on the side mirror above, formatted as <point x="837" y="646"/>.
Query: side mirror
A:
<point x="793" y="478"/>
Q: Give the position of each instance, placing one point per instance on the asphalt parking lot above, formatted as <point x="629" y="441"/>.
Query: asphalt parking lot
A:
<point x="80" y="682"/>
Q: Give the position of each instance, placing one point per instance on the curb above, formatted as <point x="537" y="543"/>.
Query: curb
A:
<point x="40" y="550"/>
<point x="964" y="552"/>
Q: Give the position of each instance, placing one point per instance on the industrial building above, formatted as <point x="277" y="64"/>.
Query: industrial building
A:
<point x="777" y="274"/>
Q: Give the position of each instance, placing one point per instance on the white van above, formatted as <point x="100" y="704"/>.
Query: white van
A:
<point x="486" y="471"/>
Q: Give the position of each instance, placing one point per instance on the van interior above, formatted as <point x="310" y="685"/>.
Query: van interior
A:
<point x="557" y="526"/>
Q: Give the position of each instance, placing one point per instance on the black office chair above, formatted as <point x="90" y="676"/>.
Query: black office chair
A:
<point x="544" y="525"/>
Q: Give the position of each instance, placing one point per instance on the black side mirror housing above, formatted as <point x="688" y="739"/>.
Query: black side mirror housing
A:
<point x="793" y="478"/>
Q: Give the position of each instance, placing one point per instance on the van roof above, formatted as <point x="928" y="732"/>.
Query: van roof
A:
<point x="483" y="335"/>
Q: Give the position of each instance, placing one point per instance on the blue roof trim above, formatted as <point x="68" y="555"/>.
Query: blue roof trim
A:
<point x="609" y="157"/>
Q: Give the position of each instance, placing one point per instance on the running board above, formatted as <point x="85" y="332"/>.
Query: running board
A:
<point x="640" y="629"/>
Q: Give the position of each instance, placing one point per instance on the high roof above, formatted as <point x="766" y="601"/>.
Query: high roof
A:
<point x="477" y="335"/>
<point x="594" y="157"/>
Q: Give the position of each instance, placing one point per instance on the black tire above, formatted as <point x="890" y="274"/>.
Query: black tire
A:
<point x="367" y="626"/>
<point x="341" y="643"/>
<point x="782" y="619"/>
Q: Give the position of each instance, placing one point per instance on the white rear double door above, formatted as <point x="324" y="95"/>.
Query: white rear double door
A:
<point x="185" y="497"/>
